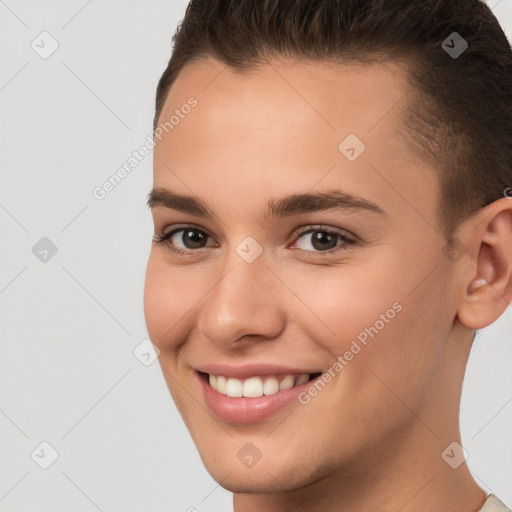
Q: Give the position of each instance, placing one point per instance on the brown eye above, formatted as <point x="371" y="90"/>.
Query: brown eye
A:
<point x="192" y="238"/>
<point x="320" y="241"/>
<point x="185" y="240"/>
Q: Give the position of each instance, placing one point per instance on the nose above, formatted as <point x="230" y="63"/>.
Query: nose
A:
<point x="243" y="305"/>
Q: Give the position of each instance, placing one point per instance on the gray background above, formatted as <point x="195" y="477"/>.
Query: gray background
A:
<point x="69" y="324"/>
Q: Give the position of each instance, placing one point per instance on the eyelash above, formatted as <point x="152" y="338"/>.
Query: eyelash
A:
<point x="164" y="238"/>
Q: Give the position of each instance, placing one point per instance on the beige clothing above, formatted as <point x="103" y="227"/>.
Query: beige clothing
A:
<point x="493" y="504"/>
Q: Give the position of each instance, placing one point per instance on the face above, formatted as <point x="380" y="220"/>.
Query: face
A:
<point x="302" y="249"/>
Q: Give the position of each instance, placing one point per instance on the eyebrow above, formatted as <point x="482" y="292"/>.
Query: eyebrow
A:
<point x="286" y="206"/>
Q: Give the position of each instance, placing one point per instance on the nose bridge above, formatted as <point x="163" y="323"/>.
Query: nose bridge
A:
<point x="243" y="301"/>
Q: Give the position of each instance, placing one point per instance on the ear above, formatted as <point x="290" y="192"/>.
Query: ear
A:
<point x="488" y="287"/>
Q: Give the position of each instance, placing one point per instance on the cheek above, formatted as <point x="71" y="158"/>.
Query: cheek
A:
<point x="341" y="302"/>
<point x="169" y="298"/>
<point x="370" y="317"/>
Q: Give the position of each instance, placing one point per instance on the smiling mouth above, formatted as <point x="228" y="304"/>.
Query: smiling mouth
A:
<point x="256" y="386"/>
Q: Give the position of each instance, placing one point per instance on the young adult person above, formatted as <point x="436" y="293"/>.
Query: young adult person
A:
<point x="332" y="226"/>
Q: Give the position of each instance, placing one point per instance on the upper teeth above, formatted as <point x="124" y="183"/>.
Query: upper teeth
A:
<point x="254" y="387"/>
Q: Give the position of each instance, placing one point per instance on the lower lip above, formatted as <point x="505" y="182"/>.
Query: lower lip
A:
<point x="249" y="410"/>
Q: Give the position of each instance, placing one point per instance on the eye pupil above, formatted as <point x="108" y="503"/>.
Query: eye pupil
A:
<point x="193" y="238"/>
<point x="322" y="237"/>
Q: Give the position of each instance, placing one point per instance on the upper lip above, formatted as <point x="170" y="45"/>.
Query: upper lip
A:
<point x="252" y="369"/>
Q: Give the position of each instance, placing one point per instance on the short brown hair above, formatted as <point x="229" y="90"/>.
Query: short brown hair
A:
<point x="459" y="117"/>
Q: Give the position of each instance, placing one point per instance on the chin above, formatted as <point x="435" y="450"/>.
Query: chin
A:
<point x="257" y="479"/>
<point x="276" y="472"/>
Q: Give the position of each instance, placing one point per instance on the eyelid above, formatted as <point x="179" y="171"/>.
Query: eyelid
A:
<point x="323" y="227"/>
<point x="183" y="225"/>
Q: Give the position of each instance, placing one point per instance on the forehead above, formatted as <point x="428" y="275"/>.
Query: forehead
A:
<point x="338" y="94"/>
<point x="286" y="124"/>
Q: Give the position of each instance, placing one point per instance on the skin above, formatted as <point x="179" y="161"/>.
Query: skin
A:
<point x="372" y="439"/>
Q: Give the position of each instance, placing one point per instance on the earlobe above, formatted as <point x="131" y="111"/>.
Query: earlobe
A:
<point x="489" y="291"/>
